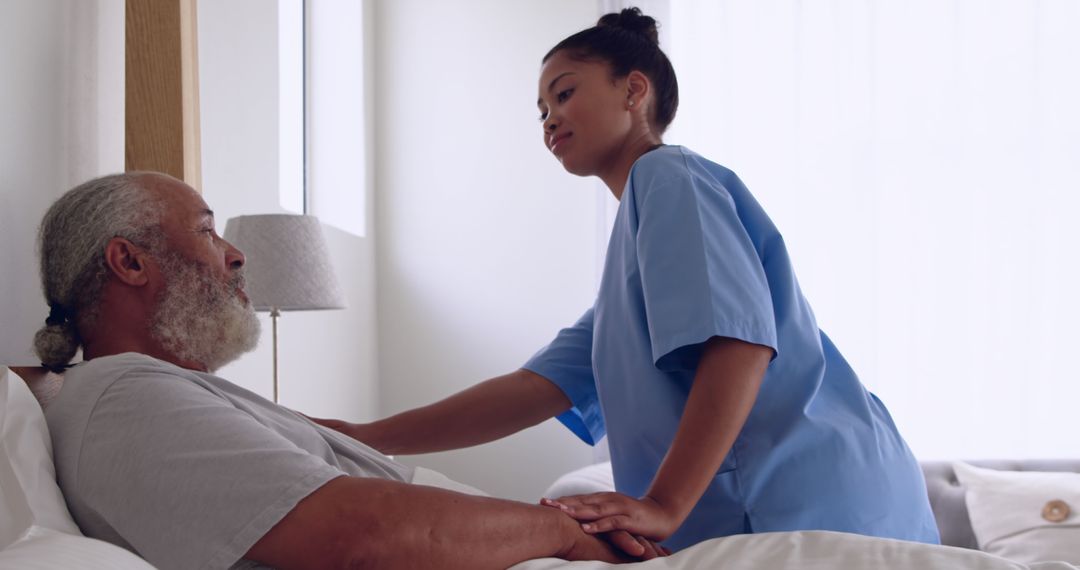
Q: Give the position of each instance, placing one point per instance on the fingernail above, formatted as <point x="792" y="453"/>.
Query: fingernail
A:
<point x="587" y="527"/>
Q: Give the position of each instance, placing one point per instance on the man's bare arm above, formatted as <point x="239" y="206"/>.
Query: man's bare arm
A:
<point x="374" y="523"/>
<point x="490" y="410"/>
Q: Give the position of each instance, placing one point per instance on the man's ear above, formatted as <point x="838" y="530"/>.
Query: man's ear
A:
<point x="638" y="88"/>
<point x="127" y="261"/>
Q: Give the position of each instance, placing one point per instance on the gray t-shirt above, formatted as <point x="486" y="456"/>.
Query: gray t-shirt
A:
<point x="184" y="468"/>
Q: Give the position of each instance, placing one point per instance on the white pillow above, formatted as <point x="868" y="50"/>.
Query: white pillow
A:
<point x="1026" y="516"/>
<point x="423" y="476"/>
<point x="595" y="478"/>
<point x="45" y="549"/>
<point x="28" y="491"/>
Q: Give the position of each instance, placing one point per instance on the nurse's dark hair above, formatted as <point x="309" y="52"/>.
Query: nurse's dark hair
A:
<point x="628" y="41"/>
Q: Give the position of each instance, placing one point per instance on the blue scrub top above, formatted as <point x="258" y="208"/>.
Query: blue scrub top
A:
<point x="692" y="256"/>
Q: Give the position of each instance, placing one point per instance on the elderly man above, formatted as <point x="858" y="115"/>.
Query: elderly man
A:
<point x="156" y="454"/>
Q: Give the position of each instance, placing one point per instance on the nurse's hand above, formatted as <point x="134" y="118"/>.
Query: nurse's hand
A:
<point x="605" y="512"/>
<point x="360" y="432"/>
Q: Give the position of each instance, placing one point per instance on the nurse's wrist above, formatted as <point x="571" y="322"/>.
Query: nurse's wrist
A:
<point x="674" y="511"/>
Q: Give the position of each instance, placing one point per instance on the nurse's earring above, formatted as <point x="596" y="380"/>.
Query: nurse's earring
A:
<point x="630" y="103"/>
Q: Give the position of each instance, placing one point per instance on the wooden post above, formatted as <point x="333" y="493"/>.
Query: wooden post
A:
<point x="162" y="89"/>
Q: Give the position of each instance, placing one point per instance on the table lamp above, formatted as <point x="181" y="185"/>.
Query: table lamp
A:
<point x="287" y="266"/>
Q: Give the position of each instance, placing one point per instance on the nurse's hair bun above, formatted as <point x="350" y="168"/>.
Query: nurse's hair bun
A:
<point x="627" y="41"/>
<point x="632" y="20"/>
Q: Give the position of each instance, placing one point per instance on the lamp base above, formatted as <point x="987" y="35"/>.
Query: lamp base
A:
<point x="274" y="314"/>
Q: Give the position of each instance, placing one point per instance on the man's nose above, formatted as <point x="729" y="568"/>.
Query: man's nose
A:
<point x="234" y="258"/>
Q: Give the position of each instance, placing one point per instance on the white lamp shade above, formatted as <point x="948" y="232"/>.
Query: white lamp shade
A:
<point x="287" y="262"/>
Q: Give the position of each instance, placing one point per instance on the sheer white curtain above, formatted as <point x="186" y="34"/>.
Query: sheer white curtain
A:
<point x="62" y="117"/>
<point x="922" y="160"/>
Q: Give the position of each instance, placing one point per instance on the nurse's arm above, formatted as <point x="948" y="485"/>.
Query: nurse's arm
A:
<point x="490" y="410"/>
<point x="725" y="387"/>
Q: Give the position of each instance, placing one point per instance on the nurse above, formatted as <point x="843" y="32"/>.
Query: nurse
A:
<point x="727" y="409"/>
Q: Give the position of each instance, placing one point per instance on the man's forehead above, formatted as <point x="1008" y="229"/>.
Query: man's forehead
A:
<point x="191" y="209"/>
<point x="178" y="197"/>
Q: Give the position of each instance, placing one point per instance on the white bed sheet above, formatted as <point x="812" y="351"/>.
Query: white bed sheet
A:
<point x="803" y="550"/>
<point x="811" y="550"/>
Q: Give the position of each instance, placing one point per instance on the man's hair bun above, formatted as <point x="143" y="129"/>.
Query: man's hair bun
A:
<point x="632" y="20"/>
<point x="56" y="345"/>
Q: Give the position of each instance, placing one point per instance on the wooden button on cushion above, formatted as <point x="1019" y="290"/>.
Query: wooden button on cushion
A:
<point x="1056" y="511"/>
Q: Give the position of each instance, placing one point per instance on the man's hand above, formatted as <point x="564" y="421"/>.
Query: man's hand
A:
<point x="360" y="432"/>
<point x="607" y="512"/>
<point x="637" y="546"/>
<point x="614" y="547"/>
<point x="354" y="522"/>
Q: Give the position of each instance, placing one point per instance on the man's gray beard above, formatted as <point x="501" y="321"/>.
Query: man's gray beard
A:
<point x="200" y="318"/>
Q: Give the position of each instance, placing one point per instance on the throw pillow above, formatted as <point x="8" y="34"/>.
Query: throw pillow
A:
<point x="1025" y="516"/>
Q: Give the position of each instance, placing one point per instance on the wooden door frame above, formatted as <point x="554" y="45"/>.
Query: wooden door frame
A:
<point x="161" y="123"/>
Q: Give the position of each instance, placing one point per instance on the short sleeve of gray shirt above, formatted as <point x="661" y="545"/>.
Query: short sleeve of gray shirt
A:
<point x="187" y="469"/>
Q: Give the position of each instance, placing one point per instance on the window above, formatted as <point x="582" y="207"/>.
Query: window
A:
<point x="323" y="130"/>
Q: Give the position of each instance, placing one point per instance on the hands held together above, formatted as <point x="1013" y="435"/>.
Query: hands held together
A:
<point x="632" y="525"/>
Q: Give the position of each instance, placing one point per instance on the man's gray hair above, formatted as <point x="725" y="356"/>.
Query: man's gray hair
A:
<point x="71" y="245"/>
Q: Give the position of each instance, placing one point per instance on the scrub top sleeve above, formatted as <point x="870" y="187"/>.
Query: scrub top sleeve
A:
<point x="700" y="273"/>
<point x="567" y="363"/>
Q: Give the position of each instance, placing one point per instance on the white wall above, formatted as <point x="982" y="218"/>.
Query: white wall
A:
<point x="921" y="160"/>
<point x="486" y="246"/>
<point x="326" y="358"/>
<point x="62" y="111"/>
<point x="926" y="190"/>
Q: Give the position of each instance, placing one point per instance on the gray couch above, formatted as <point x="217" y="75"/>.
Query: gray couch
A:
<point x="946" y="493"/>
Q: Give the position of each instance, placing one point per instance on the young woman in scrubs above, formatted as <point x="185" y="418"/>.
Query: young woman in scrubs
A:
<point x="727" y="410"/>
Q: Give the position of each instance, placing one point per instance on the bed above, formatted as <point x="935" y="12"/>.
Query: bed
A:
<point x="991" y="514"/>
<point x="1020" y="513"/>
